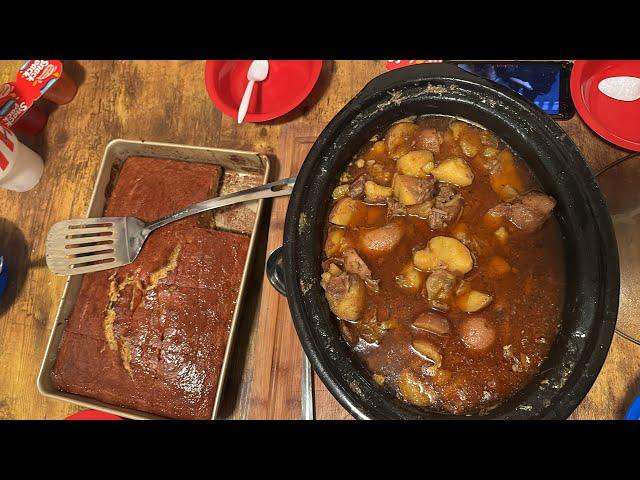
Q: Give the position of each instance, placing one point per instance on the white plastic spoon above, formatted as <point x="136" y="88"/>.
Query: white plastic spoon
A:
<point x="626" y="89"/>
<point x="258" y="71"/>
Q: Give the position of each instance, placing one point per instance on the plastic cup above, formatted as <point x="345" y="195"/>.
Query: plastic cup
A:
<point x="20" y="167"/>
<point x="32" y="122"/>
<point x="62" y="91"/>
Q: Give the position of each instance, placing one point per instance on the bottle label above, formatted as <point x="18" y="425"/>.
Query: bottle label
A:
<point x="33" y="79"/>
<point x="395" y="64"/>
<point x="7" y="145"/>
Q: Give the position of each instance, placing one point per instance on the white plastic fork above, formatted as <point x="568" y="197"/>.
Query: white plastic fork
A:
<point x="93" y="244"/>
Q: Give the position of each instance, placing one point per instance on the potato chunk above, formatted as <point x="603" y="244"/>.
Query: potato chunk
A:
<point x="418" y="163"/>
<point x="473" y="300"/>
<point x="429" y="139"/>
<point x="334" y="270"/>
<point x="348" y="212"/>
<point x="379" y="173"/>
<point x="381" y="240"/>
<point x="414" y="390"/>
<point x="340" y="191"/>
<point x="505" y="180"/>
<point x="399" y="138"/>
<point x="345" y="295"/>
<point x="457" y="128"/>
<point x="470" y="142"/>
<point x="502" y="235"/>
<point x="444" y="253"/>
<point x="411" y="190"/>
<point x="454" y="170"/>
<point x="377" y="149"/>
<point x="376" y="193"/>
<point x="477" y="334"/>
<point x="335" y="243"/>
<point x="489" y="139"/>
<point x="427" y="350"/>
<point x="410" y="279"/>
<point x="490" y="152"/>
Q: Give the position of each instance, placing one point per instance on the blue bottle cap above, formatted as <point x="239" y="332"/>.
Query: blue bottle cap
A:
<point x="3" y="275"/>
<point x="634" y="410"/>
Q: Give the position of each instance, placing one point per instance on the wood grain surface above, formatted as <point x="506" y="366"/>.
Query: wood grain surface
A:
<point x="166" y="101"/>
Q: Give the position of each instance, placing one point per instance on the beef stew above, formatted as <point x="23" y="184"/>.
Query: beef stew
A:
<point x="444" y="265"/>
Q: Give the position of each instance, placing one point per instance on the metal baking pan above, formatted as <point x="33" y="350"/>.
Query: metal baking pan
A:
<point x="241" y="170"/>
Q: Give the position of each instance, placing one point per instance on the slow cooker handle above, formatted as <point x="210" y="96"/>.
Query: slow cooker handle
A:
<point x="275" y="270"/>
<point x="423" y="71"/>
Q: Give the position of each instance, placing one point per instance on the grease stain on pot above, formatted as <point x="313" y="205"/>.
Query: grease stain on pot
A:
<point x="306" y="286"/>
<point x="439" y="89"/>
<point x="356" y="388"/>
<point x="303" y="223"/>
<point x="396" y="97"/>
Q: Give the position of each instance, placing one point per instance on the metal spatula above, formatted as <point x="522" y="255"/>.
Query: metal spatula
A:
<point x="93" y="244"/>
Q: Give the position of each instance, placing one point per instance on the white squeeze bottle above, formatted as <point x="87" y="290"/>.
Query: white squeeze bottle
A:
<point x="20" y="167"/>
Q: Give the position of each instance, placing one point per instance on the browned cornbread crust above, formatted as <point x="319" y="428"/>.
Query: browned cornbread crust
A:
<point x="151" y="335"/>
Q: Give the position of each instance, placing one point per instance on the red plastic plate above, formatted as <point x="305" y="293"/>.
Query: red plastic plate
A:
<point x="289" y="82"/>
<point x="614" y="120"/>
<point x="92" y="415"/>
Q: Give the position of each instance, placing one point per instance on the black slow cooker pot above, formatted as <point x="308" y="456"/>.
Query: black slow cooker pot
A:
<point x="592" y="270"/>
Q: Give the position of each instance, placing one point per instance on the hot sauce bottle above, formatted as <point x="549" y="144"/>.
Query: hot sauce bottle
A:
<point x="35" y="79"/>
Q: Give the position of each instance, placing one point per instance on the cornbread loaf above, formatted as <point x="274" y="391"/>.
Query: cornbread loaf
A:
<point x="152" y="335"/>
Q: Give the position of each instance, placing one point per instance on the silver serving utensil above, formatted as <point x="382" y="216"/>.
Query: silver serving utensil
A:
<point x="87" y="245"/>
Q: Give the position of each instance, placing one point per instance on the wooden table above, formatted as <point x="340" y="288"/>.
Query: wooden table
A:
<point x="166" y="101"/>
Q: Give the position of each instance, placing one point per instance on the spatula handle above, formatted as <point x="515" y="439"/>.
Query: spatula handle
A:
<point x="278" y="188"/>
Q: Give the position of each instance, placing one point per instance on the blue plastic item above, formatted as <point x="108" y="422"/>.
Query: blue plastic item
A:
<point x="634" y="410"/>
<point x="3" y="275"/>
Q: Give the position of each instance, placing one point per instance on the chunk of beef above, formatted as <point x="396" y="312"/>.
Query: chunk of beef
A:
<point x="432" y="322"/>
<point x="477" y="245"/>
<point x="356" y="189"/>
<point x="353" y="263"/>
<point x="371" y="327"/>
<point x="447" y="207"/>
<point x="438" y="289"/>
<point x="429" y="139"/>
<point x="395" y="209"/>
<point x="346" y="329"/>
<point x="327" y="264"/>
<point x="412" y="190"/>
<point x="345" y="294"/>
<point x="528" y="211"/>
<point x="422" y="210"/>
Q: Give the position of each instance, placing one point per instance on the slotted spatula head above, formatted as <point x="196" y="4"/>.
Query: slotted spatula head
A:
<point x="93" y="244"/>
